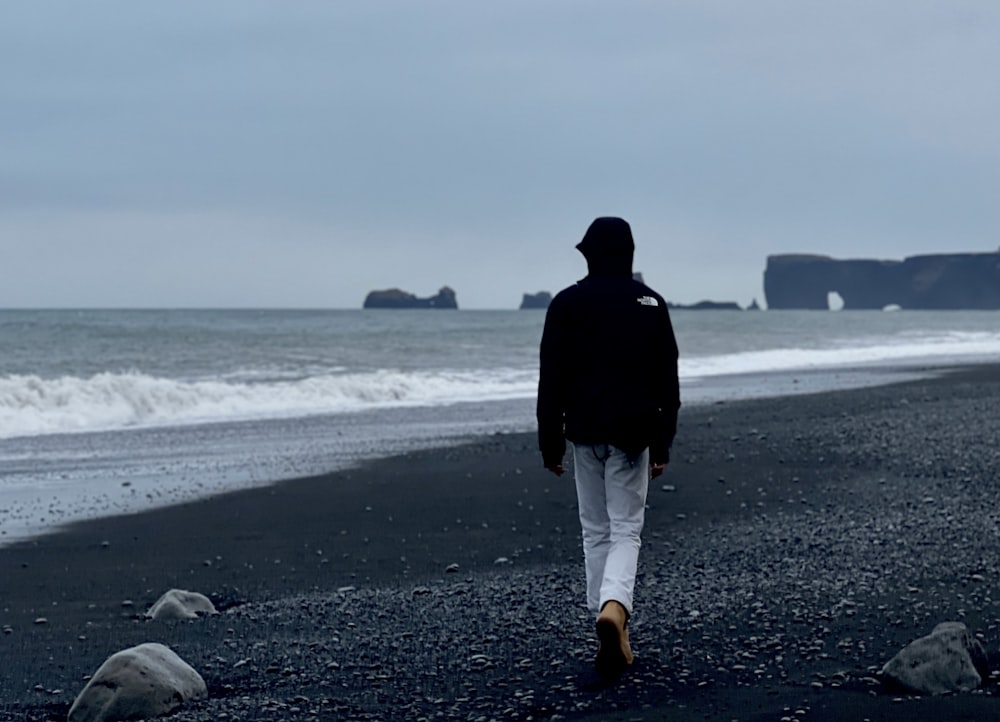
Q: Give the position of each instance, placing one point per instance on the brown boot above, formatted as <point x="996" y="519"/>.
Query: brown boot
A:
<point x="614" y="653"/>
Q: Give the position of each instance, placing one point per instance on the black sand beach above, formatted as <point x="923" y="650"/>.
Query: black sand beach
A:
<point x="793" y="547"/>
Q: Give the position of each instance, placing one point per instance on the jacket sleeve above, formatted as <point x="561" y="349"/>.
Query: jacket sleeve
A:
<point x="668" y="392"/>
<point x="551" y="407"/>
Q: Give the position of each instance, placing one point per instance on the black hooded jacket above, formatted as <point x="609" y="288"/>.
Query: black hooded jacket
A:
<point x="608" y="357"/>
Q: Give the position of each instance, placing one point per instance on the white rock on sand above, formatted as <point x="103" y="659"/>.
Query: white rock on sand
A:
<point x="943" y="661"/>
<point x="149" y="680"/>
<point x="181" y="604"/>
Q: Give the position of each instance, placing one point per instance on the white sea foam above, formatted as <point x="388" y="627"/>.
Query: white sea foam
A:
<point x="957" y="346"/>
<point x="30" y="405"/>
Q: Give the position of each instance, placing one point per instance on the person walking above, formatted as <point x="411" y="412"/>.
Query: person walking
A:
<point x="608" y="384"/>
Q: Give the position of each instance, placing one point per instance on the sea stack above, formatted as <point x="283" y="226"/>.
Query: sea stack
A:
<point x="396" y="298"/>
<point x="542" y="299"/>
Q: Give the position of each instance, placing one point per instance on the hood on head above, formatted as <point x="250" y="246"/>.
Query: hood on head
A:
<point x="608" y="247"/>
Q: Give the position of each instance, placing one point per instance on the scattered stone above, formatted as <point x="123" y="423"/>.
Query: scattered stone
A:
<point x="949" y="659"/>
<point x="181" y="604"/>
<point x="452" y="568"/>
<point x="149" y="680"/>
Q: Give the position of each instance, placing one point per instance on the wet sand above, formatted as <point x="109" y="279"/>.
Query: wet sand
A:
<point x="794" y="545"/>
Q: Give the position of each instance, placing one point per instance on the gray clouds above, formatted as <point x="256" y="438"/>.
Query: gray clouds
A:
<point x="302" y="153"/>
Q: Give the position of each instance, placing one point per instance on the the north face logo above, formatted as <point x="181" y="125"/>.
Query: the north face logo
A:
<point x="647" y="301"/>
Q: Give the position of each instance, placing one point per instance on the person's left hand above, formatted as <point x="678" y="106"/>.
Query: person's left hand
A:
<point x="558" y="469"/>
<point x="656" y="470"/>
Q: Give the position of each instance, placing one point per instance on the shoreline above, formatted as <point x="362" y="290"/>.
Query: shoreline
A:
<point x="794" y="541"/>
<point x="131" y="471"/>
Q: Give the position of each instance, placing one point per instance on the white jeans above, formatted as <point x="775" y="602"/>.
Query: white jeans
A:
<point x="611" y="492"/>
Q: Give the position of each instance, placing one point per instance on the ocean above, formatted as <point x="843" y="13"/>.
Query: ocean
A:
<point x="113" y="411"/>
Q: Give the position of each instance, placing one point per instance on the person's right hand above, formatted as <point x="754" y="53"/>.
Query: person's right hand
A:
<point x="558" y="469"/>
<point x="656" y="470"/>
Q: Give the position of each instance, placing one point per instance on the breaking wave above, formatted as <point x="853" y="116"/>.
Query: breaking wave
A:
<point x="31" y="405"/>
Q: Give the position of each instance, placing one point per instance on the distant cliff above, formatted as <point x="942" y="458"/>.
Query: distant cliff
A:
<point x="947" y="281"/>
<point x="395" y="298"/>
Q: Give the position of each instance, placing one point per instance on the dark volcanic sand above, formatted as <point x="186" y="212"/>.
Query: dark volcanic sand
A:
<point x="793" y="547"/>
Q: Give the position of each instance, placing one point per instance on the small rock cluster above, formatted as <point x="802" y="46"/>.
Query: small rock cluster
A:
<point x="149" y="679"/>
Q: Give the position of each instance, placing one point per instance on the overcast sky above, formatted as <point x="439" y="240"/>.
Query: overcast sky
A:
<point x="300" y="154"/>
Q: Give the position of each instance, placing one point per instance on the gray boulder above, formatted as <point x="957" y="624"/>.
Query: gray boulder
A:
<point x="181" y="604"/>
<point x="949" y="659"/>
<point x="149" y="680"/>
